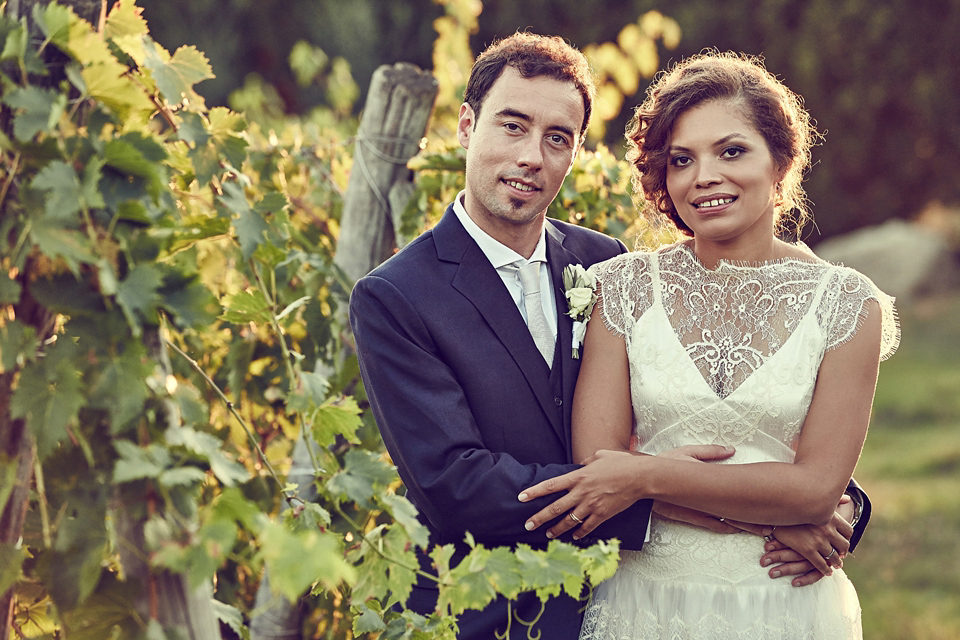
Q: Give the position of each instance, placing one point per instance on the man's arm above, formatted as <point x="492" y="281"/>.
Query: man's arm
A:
<point x="427" y="425"/>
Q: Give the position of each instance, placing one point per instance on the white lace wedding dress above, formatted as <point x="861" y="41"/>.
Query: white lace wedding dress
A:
<point x="727" y="356"/>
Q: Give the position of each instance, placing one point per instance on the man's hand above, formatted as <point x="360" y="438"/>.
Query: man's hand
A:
<point x="807" y="552"/>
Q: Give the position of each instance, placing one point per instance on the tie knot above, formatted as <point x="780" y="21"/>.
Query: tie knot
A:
<point x="530" y="277"/>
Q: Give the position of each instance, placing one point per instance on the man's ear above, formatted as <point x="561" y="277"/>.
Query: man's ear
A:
<point x="465" y="125"/>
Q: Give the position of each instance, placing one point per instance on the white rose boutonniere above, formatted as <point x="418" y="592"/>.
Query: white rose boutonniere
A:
<point x="580" y="289"/>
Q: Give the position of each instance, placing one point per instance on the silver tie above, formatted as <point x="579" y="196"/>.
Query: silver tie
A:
<point x="536" y="320"/>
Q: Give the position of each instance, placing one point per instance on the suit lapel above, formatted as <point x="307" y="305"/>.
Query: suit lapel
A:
<point x="479" y="282"/>
<point x="558" y="258"/>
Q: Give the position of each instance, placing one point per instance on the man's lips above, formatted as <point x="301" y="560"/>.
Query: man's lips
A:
<point x="520" y="186"/>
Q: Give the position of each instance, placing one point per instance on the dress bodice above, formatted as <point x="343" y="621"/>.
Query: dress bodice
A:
<point x="730" y="355"/>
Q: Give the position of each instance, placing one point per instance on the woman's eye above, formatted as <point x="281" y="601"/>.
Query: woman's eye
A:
<point x="732" y="152"/>
<point x="680" y="161"/>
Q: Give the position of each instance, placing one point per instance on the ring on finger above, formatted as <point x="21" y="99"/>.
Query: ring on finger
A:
<point x="769" y="536"/>
<point x="574" y="517"/>
<point x="830" y="555"/>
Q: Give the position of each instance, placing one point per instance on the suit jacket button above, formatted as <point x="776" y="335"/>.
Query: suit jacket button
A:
<point x="558" y="401"/>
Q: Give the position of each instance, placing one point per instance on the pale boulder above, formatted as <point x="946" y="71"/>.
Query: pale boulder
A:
<point x="904" y="259"/>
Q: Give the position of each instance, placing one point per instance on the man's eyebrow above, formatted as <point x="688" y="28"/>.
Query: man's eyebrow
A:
<point x="520" y="115"/>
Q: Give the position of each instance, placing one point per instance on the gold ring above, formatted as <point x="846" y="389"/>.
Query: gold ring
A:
<point x="574" y="517"/>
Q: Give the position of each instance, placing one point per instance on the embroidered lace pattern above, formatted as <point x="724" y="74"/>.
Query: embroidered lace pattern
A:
<point x="726" y="356"/>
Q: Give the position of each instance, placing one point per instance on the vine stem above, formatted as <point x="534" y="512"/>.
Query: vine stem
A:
<point x="10" y="177"/>
<point x="287" y="355"/>
<point x="42" y="500"/>
<point x="356" y="527"/>
<point x="236" y="414"/>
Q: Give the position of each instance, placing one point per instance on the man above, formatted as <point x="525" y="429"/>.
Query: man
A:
<point x="468" y="368"/>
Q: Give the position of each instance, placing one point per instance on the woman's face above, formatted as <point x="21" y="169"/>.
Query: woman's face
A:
<point x="721" y="176"/>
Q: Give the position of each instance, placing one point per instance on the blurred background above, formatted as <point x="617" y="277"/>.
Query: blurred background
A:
<point x="881" y="79"/>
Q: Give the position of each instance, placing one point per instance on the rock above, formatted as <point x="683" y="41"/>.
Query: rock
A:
<point x="904" y="259"/>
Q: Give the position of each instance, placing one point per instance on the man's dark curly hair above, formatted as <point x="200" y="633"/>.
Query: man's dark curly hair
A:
<point x="532" y="56"/>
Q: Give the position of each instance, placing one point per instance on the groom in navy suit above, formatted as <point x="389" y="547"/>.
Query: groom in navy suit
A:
<point x="469" y="369"/>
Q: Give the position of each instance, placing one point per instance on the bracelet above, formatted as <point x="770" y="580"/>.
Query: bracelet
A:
<point x="857" y="511"/>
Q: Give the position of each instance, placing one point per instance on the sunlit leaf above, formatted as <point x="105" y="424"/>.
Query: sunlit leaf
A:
<point x="246" y="306"/>
<point x="296" y="560"/>
<point x="336" y="418"/>
<point x="232" y="617"/>
<point x="405" y="514"/>
<point x="126" y="27"/>
<point x="175" y="75"/>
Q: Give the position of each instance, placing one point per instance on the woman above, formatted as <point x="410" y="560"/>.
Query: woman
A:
<point x="732" y="337"/>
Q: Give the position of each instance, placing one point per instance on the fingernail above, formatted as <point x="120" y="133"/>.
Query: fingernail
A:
<point x="549" y="534"/>
<point x="776" y="573"/>
<point x="729" y="448"/>
<point x="522" y="497"/>
<point x="577" y="537"/>
<point x="766" y="562"/>
<point x="529" y="526"/>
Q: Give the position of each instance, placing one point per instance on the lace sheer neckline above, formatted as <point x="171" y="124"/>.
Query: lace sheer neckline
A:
<point x="685" y="248"/>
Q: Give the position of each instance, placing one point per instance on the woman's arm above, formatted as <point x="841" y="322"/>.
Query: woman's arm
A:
<point x="602" y="411"/>
<point x="806" y="491"/>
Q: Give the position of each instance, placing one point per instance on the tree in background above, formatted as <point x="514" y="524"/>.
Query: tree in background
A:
<point x="882" y="79"/>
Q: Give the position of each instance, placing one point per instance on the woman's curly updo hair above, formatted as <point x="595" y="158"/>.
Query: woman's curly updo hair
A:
<point x="774" y="110"/>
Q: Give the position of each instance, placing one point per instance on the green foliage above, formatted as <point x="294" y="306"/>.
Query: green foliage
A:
<point x="184" y="260"/>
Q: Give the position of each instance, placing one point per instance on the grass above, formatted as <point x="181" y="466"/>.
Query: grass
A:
<point x="907" y="568"/>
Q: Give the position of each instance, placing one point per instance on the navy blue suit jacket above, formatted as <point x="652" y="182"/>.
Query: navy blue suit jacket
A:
<point x="465" y="405"/>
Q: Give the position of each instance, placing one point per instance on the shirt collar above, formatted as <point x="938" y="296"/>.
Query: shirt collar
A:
<point x="497" y="253"/>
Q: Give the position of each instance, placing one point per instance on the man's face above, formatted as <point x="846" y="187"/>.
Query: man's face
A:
<point x="519" y="149"/>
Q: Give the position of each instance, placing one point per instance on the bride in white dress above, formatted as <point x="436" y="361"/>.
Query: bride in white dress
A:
<point x="732" y="337"/>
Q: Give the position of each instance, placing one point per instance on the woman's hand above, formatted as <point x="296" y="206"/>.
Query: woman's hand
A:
<point x="609" y="482"/>
<point x="817" y="549"/>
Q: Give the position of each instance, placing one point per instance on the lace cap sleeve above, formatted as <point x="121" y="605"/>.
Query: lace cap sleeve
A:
<point x="849" y="292"/>
<point x="624" y="290"/>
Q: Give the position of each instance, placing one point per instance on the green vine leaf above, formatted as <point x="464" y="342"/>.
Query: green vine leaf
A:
<point x="176" y="75"/>
<point x="209" y="448"/>
<point x="18" y="344"/>
<point x="40" y="110"/>
<point x="246" y="306"/>
<point x="138" y="296"/>
<point x="383" y="573"/>
<point x="67" y="194"/>
<point x="363" y="474"/>
<point x="49" y="396"/>
<point x="366" y="620"/>
<point x="297" y="559"/>
<point x="336" y="418"/>
<point x="405" y="514"/>
<point x="138" y="463"/>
